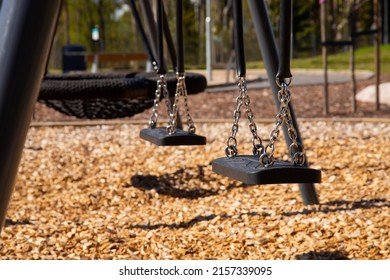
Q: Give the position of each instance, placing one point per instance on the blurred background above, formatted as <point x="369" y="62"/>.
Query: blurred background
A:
<point x="117" y="30"/>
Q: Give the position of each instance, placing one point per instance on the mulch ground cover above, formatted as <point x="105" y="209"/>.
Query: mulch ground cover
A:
<point x="101" y="192"/>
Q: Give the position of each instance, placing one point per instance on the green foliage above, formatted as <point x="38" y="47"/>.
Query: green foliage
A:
<point x="79" y="16"/>
<point x="119" y="32"/>
<point x="191" y="33"/>
<point x="364" y="60"/>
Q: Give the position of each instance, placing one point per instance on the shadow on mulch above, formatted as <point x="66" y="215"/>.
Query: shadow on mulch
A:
<point x="176" y="184"/>
<point x="188" y="224"/>
<point x="9" y="222"/>
<point x="324" y="255"/>
<point x="343" y="205"/>
<point x="194" y="221"/>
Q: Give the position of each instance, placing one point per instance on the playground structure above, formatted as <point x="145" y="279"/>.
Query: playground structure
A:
<point x="25" y="18"/>
<point x="24" y="22"/>
<point x="98" y="191"/>
<point x="15" y="121"/>
<point x="172" y="135"/>
<point x="350" y="42"/>
<point x="118" y="95"/>
<point x="262" y="167"/>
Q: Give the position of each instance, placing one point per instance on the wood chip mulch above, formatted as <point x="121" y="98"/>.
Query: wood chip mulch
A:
<point x="101" y="192"/>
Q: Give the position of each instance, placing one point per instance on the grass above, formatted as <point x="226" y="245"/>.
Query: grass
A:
<point x="364" y="60"/>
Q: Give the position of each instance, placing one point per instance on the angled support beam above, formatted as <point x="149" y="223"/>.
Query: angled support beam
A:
<point x="26" y="32"/>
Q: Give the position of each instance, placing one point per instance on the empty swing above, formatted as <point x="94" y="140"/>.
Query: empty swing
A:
<point x="261" y="167"/>
<point x="171" y="135"/>
<point x="111" y="95"/>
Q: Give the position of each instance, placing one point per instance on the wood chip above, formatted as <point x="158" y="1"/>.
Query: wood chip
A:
<point x="100" y="192"/>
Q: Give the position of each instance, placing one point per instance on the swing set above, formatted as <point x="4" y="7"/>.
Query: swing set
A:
<point x="262" y="167"/>
<point x="171" y="135"/>
<point x="27" y="21"/>
<point x="117" y="95"/>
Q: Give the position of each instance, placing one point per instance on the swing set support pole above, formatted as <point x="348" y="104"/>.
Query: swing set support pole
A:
<point x="26" y="32"/>
<point x="269" y="52"/>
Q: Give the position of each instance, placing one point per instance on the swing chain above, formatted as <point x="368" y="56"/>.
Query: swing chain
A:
<point x="231" y="142"/>
<point x="181" y="90"/>
<point x="172" y="123"/>
<point x="162" y="88"/>
<point x="155" y="66"/>
<point x="296" y="149"/>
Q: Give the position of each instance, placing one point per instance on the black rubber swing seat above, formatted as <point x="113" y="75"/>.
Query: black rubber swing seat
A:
<point x="160" y="137"/>
<point x="108" y="95"/>
<point x="249" y="170"/>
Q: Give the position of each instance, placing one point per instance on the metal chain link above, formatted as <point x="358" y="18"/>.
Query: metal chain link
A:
<point x="162" y="89"/>
<point x="190" y="122"/>
<point x="181" y="91"/>
<point x="296" y="149"/>
<point x="231" y="143"/>
<point x="172" y="123"/>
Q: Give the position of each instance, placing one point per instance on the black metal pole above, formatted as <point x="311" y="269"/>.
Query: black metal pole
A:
<point x="266" y="40"/>
<point x="151" y="25"/>
<point x="285" y="40"/>
<point x="160" y="39"/>
<point x="148" y="14"/>
<point x="141" y="29"/>
<point x="26" y="32"/>
<point x="324" y="51"/>
<point x="239" y="38"/>
<point x="168" y="39"/>
<point x="179" y="37"/>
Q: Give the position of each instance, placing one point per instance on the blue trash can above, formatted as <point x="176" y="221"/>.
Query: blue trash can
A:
<point x="73" y="58"/>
